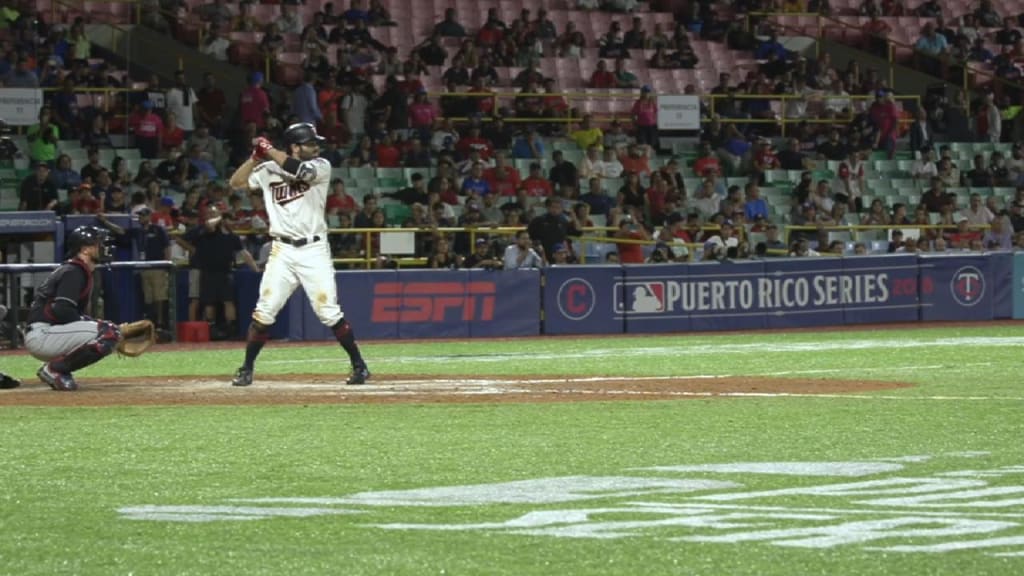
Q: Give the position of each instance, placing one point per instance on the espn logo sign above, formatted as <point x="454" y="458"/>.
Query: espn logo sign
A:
<point x="412" y="302"/>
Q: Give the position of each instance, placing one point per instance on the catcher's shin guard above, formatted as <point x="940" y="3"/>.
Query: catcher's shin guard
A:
<point x="106" y="340"/>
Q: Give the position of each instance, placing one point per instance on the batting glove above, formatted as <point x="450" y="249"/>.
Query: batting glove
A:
<point x="261" y="146"/>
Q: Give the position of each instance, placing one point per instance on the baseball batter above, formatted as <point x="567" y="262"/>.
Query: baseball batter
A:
<point x="60" y="332"/>
<point x="294" y="186"/>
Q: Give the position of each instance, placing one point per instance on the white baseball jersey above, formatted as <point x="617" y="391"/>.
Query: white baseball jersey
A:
<point x="295" y="203"/>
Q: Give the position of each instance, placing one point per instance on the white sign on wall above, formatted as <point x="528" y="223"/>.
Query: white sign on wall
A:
<point x="20" y="106"/>
<point x="678" y="112"/>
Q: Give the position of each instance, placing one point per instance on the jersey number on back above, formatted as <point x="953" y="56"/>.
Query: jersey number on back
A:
<point x="285" y="192"/>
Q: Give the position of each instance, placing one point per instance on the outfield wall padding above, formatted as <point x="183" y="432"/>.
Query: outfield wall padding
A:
<point x="649" y="299"/>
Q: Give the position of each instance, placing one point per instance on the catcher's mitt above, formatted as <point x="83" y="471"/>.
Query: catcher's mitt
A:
<point x="136" y="338"/>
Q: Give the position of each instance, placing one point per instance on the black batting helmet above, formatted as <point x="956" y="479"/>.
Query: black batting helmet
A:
<point x="302" y="133"/>
<point x="89" y="236"/>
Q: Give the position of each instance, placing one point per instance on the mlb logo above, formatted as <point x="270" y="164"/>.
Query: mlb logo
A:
<point x="640" y="297"/>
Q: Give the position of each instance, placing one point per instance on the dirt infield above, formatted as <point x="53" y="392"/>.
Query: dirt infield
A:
<point x="328" y="389"/>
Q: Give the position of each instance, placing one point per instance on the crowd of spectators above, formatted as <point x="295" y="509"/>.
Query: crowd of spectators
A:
<point x="466" y="172"/>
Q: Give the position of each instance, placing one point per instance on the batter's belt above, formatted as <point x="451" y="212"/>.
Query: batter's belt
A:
<point x="297" y="242"/>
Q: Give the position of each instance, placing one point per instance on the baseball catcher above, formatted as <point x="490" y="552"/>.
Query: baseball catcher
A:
<point x="294" y="187"/>
<point x="60" y="331"/>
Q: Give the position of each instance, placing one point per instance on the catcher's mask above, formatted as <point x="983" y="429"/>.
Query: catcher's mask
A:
<point x="91" y="236"/>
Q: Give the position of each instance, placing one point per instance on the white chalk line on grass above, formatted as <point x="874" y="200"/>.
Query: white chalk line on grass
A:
<point x="684" y="349"/>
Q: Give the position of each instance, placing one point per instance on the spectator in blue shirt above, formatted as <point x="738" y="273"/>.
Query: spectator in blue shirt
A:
<point x="771" y="45"/>
<point x="202" y="165"/>
<point x="304" y="102"/>
<point x="599" y="201"/>
<point x="529" y="146"/>
<point x="755" y="205"/>
<point x="475" y="182"/>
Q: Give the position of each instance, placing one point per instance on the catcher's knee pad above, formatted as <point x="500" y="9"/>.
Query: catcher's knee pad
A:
<point x="107" y="337"/>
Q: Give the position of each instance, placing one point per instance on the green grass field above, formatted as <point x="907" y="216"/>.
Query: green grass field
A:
<point x="921" y="480"/>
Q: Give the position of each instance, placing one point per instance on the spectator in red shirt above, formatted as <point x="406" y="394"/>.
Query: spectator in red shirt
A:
<point x="886" y="117"/>
<point x="210" y="105"/>
<point x="422" y="115"/>
<point x="490" y="35"/>
<point x="173" y="134"/>
<point x="164" y="215"/>
<point x="707" y="162"/>
<point x="340" y="201"/>
<point x="645" y="116"/>
<point x="388" y="153"/>
<point x="474" y="141"/>
<point x="629" y="229"/>
<point x="536" y="185"/>
<point x="254" y="103"/>
<point x="602" y="77"/>
<point x="149" y="132"/>
<point x="635" y="160"/>
<point x="765" y="159"/>
<point x="503" y="179"/>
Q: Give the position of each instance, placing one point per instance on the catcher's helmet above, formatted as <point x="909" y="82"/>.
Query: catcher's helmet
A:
<point x="302" y="133"/>
<point x="90" y="236"/>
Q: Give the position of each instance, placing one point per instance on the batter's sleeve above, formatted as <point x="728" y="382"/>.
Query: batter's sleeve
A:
<point x="315" y="171"/>
<point x="255" y="182"/>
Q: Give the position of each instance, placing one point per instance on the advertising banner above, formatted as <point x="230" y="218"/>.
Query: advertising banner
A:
<point x="724" y="296"/>
<point x="581" y="300"/>
<point x="801" y="292"/>
<point x="1018" y="286"/>
<point x="507" y="302"/>
<point x="356" y="296"/>
<point x="678" y="112"/>
<point x="20" y="106"/>
<point x="28" y="223"/>
<point x="962" y="287"/>
<point x="876" y="289"/>
<point x="1003" y="285"/>
<point x="654" y="298"/>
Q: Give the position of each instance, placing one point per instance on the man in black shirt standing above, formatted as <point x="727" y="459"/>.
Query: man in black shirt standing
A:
<point x="60" y="330"/>
<point x="154" y="245"/>
<point x="37" y="190"/>
<point x="563" y="172"/>
<point x="552" y="228"/>
<point x="213" y="248"/>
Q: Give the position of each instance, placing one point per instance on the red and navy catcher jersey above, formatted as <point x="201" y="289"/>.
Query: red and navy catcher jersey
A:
<point x="65" y="296"/>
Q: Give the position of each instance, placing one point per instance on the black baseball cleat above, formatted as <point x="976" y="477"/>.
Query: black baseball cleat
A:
<point x="56" y="380"/>
<point x="7" y="383"/>
<point x="359" y="376"/>
<point x="243" y="377"/>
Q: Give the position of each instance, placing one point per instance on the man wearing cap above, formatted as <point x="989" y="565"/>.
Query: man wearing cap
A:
<point x="213" y="248"/>
<point x="536" y="185"/>
<point x="963" y="236"/>
<point x="153" y="244"/>
<point x="37" y="190"/>
<point x="482" y="257"/>
<point x="254" y="103"/>
<point x="554" y="226"/>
